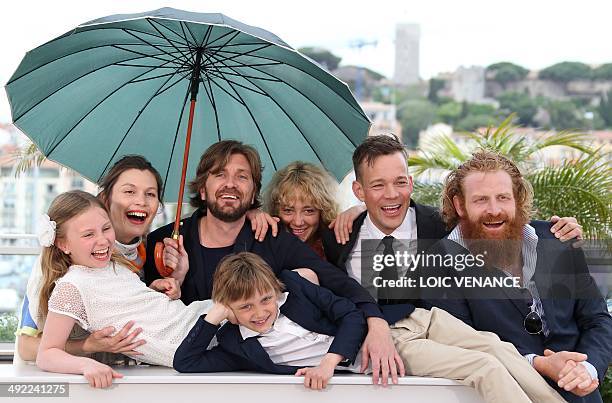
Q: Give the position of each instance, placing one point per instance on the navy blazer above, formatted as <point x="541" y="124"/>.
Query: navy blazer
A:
<point x="575" y="312"/>
<point x="430" y="229"/>
<point x="312" y="307"/>
<point x="283" y="252"/>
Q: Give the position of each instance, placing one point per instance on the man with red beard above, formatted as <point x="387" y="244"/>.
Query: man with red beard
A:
<point x="557" y="318"/>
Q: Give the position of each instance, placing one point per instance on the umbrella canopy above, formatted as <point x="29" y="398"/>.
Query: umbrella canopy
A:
<point x="121" y="85"/>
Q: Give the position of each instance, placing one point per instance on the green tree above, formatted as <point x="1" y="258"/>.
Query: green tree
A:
<point x="564" y="115"/>
<point x="580" y="187"/>
<point x="415" y="115"/>
<point x="567" y="71"/>
<point x="435" y="85"/>
<point x="605" y="108"/>
<point x="322" y="56"/>
<point x="449" y="112"/>
<point x="520" y="103"/>
<point x="506" y="72"/>
<point x="8" y="327"/>
<point x="480" y="109"/>
<point x="603" y="72"/>
<point x="473" y="122"/>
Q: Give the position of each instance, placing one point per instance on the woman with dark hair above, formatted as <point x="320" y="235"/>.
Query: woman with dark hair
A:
<point x="131" y="191"/>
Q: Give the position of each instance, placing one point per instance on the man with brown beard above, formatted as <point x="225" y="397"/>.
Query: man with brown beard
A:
<point x="557" y="318"/>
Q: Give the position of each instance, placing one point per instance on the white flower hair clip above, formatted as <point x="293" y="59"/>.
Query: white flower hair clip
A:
<point x="46" y="231"/>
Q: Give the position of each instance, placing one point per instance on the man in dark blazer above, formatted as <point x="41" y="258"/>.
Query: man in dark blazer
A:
<point x="557" y="318"/>
<point x="308" y="306"/>
<point x="384" y="184"/>
<point x="227" y="185"/>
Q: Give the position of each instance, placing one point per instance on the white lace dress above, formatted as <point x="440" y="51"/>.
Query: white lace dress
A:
<point x="114" y="295"/>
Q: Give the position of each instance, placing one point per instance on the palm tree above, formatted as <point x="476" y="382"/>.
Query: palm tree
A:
<point x="579" y="187"/>
<point x="27" y="157"/>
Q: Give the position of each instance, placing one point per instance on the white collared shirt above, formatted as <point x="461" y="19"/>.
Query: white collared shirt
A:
<point x="288" y="343"/>
<point x="405" y="240"/>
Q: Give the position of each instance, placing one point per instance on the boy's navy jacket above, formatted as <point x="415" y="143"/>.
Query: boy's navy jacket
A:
<point x="312" y="307"/>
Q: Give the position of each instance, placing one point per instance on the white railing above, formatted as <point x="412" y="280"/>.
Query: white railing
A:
<point x="19" y="250"/>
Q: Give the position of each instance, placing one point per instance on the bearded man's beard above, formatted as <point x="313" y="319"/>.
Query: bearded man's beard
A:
<point x="227" y="214"/>
<point x="502" y="251"/>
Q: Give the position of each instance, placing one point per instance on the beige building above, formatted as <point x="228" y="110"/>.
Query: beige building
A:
<point x="382" y="117"/>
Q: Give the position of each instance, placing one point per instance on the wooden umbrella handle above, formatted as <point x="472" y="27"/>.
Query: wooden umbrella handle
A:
<point x="162" y="269"/>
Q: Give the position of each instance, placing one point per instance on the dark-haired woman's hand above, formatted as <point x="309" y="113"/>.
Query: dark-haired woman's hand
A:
<point x="107" y="340"/>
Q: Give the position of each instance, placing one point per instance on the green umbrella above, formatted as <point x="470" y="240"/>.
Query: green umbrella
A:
<point x="123" y="84"/>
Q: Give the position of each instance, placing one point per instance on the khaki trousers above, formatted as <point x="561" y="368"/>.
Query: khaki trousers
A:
<point x="435" y="343"/>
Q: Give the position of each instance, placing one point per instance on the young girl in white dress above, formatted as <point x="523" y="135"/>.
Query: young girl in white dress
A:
<point x="95" y="288"/>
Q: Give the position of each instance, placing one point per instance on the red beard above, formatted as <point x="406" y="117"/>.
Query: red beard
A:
<point x="501" y="250"/>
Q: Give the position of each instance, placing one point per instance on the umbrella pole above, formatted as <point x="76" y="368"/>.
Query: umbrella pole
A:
<point x="159" y="247"/>
<point x="177" y="221"/>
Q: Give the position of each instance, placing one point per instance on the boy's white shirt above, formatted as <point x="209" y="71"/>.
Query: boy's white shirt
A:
<point x="288" y="343"/>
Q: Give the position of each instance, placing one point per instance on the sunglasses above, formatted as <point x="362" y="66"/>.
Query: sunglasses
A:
<point x="533" y="321"/>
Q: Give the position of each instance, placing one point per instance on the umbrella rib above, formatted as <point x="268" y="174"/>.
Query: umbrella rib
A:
<point x="148" y="43"/>
<point x="72" y="81"/>
<point x="92" y="109"/>
<point x="230" y="32"/>
<point x="176" y="134"/>
<point x="360" y="112"/>
<point x="218" y="74"/>
<point x="222" y="89"/>
<point x="66" y="55"/>
<point x="182" y="25"/>
<point x="142" y="65"/>
<point x="186" y="45"/>
<point x="239" y="44"/>
<point x="138" y="115"/>
<point x="214" y="54"/>
<point x="235" y="34"/>
<point x="211" y="98"/>
<point x="195" y="41"/>
<point x="290" y="118"/>
<point x="306" y="97"/>
<point x="217" y="68"/>
<point x="312" y="102"/>
<point x="294" y="123"/>
<point x="206" y="36"/>
<point x="150" y="21"/>
<point x="144" y="55"/>
<point x="256" y="124"/>
<point x="166" y="89"/>
<point x="186" y="42"/>
<point x="177" y="71"/>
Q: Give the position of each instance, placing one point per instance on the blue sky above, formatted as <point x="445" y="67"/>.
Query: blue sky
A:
<point x="534" y="33"/>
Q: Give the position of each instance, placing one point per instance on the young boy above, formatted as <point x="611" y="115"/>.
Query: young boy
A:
<point x="306" y="330"/>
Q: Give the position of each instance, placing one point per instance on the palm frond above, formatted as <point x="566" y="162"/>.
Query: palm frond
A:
<point x="27" y="157"/>
<point x="582" y="189"/>
<point x="427" y="193"/>
<point x="567" y="138"/>
<point x="440" y="153"/>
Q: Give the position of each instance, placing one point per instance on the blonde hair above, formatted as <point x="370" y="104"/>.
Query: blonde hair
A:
<point x="239" y="276"/>
<point x="54" y="262"/>
<point x="306" y="181"/>
<point x="485" y="161"/>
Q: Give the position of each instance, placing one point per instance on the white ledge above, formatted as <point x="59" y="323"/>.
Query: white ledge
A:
<point x="154" y="384"/>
